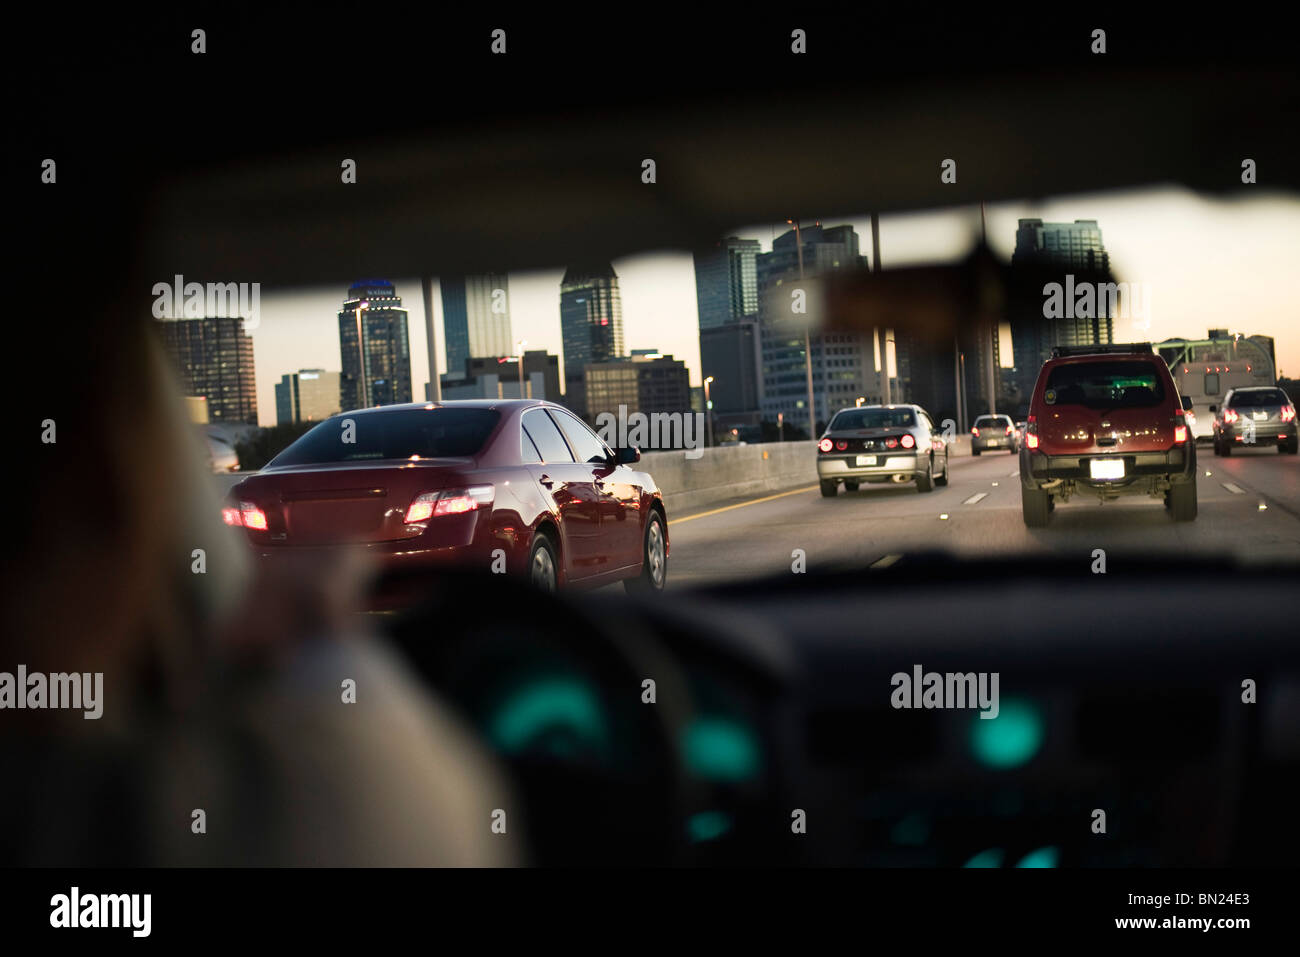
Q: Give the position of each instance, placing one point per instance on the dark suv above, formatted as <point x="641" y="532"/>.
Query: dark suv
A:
<point x="1106" y="420"/>
<point x="1255" y="417"/>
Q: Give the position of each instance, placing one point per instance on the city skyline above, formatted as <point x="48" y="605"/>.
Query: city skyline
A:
<point x="1158" y="237"/>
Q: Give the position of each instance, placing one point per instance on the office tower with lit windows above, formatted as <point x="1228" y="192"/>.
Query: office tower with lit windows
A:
<point x="374" y="345"/>
<point x="843" y="364"/>
<point x="213" y="358"/>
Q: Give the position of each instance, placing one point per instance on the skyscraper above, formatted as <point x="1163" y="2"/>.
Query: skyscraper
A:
<point x="1046" y="253"/>
<point x="476" y="317"/>
<point x="726" y="282"/>
<point x="843" y="364"/>
<point x="591" y="320"/>
<point x="374" y="344"/>
<point x="213" y="358"/>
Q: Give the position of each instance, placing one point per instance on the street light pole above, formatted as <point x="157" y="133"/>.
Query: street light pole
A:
<point x="708" y="411"/>
<point x="361" y="356"/>
<point x="521" y="344"/>
<point x="807" y="338"/>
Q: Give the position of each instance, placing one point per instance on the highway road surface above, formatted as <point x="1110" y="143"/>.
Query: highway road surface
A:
<point x="1249" y="510"/>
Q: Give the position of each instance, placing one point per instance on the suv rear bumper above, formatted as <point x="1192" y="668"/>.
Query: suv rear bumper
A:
<point x="1178" y="464"/>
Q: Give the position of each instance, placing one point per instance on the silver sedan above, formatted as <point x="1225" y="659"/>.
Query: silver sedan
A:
<point x="881" y="443"/>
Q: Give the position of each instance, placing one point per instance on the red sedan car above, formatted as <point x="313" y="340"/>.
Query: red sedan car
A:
<point x="517" y="486"/>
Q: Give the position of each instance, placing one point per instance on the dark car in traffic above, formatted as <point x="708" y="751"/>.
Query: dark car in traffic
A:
<point x="522" y="487"/>
<point x="1106" y="420"/>
<point x="1255" y="417"/>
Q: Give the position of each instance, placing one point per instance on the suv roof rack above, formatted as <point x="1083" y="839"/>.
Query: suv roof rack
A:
<point x="1103" y="349"/>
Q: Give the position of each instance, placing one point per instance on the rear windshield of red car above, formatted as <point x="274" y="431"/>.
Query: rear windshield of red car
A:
<point x="1105" y="385"/>
<point x="427" y="433"/>
<point x="874" y="419"/>
<point x="1257" y="398"/>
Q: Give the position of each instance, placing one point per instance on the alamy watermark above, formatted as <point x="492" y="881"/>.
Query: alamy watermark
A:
<point x="930" y="689"/>
<point x="1098" y="300"/>
<point x="656" y="430"/>
<point x="38" y="691"/>
<point x="179" y="299"/>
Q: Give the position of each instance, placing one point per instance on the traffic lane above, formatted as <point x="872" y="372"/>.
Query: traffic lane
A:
<point x="761" y="539"/>
<point x="1264" y="472"/>
<point x="982" y="509"/>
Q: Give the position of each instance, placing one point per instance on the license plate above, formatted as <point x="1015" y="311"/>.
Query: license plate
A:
<point x="1107" y="468"/>
<point x="866" y="460"/>
<point x="1259" y="415"/>
<point x="995" y="441"/>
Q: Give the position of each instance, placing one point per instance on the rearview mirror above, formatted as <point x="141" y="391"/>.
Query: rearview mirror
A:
<point x="1214" y="408"/>
<point x="628" y="456"/>
<point x="1187" y="403"/>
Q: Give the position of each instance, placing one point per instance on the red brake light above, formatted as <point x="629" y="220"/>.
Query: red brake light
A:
<point x="451" y="502"/>
<point x="891" y="443"/>
<point x="841" y="445"/>
<point x="253" y="516"/>
<point x="1031" y="440"/>
<point x="1180" y="433"/>
<point x="1229" y="415"/>
<point x="908" y="442"/>
<point x="1011" y="430"/>
<point x="1288" y="413"/>
<point x="975" y="432"/>
<point x="231" y="516"/>
<point x="825" y="445"/>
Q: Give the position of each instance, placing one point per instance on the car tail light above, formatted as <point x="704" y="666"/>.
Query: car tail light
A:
<point x="449" y="502"/>
<point x="1180" y="433"/>
<point x="1288" y="413"/>
<point x="230" y="516"/>
<point x="891" y="443"/>
<point x="825" y="445"/>
<point x="253" y="516"/>
<point x="975" y="432"/>
<point x="841" y="445"/>
<point x="908" y="442"/>
<point x="1011" y="430"/>
<point x="1230" y="415"/>
<point x="1031" y="432"/>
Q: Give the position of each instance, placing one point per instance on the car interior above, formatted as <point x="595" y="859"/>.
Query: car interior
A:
<point x="1120" y="691"/>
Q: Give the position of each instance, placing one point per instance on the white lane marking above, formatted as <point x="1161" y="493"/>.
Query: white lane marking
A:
<point x="1234" y="489"/>
<point x="974" y="499"/>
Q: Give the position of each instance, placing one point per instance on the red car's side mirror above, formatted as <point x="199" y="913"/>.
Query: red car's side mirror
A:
<point x="628" y="456"/>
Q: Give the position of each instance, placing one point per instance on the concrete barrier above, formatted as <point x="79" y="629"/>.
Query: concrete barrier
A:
<point x="729" y="472"/>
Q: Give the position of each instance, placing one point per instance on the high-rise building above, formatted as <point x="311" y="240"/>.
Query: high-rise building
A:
<point x="646" y="383"/>
<point x="498" y="378"/>
<point x="843" y="364"/>
<point x="213" y="358"/>
<point x="308" y="395"/>
<point x="374" y="344"/>
<point x="591" y="320"/>
<point x="732" y="355"/>
<point x="476" y="317"/>
<point x="1047" y="253"/>
<point x="726" y="282"/>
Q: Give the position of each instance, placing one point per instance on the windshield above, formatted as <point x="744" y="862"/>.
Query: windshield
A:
<point x="1105" y="385"/>
<point x="873" y="419"/>
<point x="425" y="434"/>
<point x="1257" y="398"/>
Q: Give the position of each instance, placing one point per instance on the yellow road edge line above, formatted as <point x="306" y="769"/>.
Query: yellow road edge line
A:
<point x="728" y="508"/>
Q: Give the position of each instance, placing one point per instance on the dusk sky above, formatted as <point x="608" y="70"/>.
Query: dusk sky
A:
<point x="1205" y="263"/>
